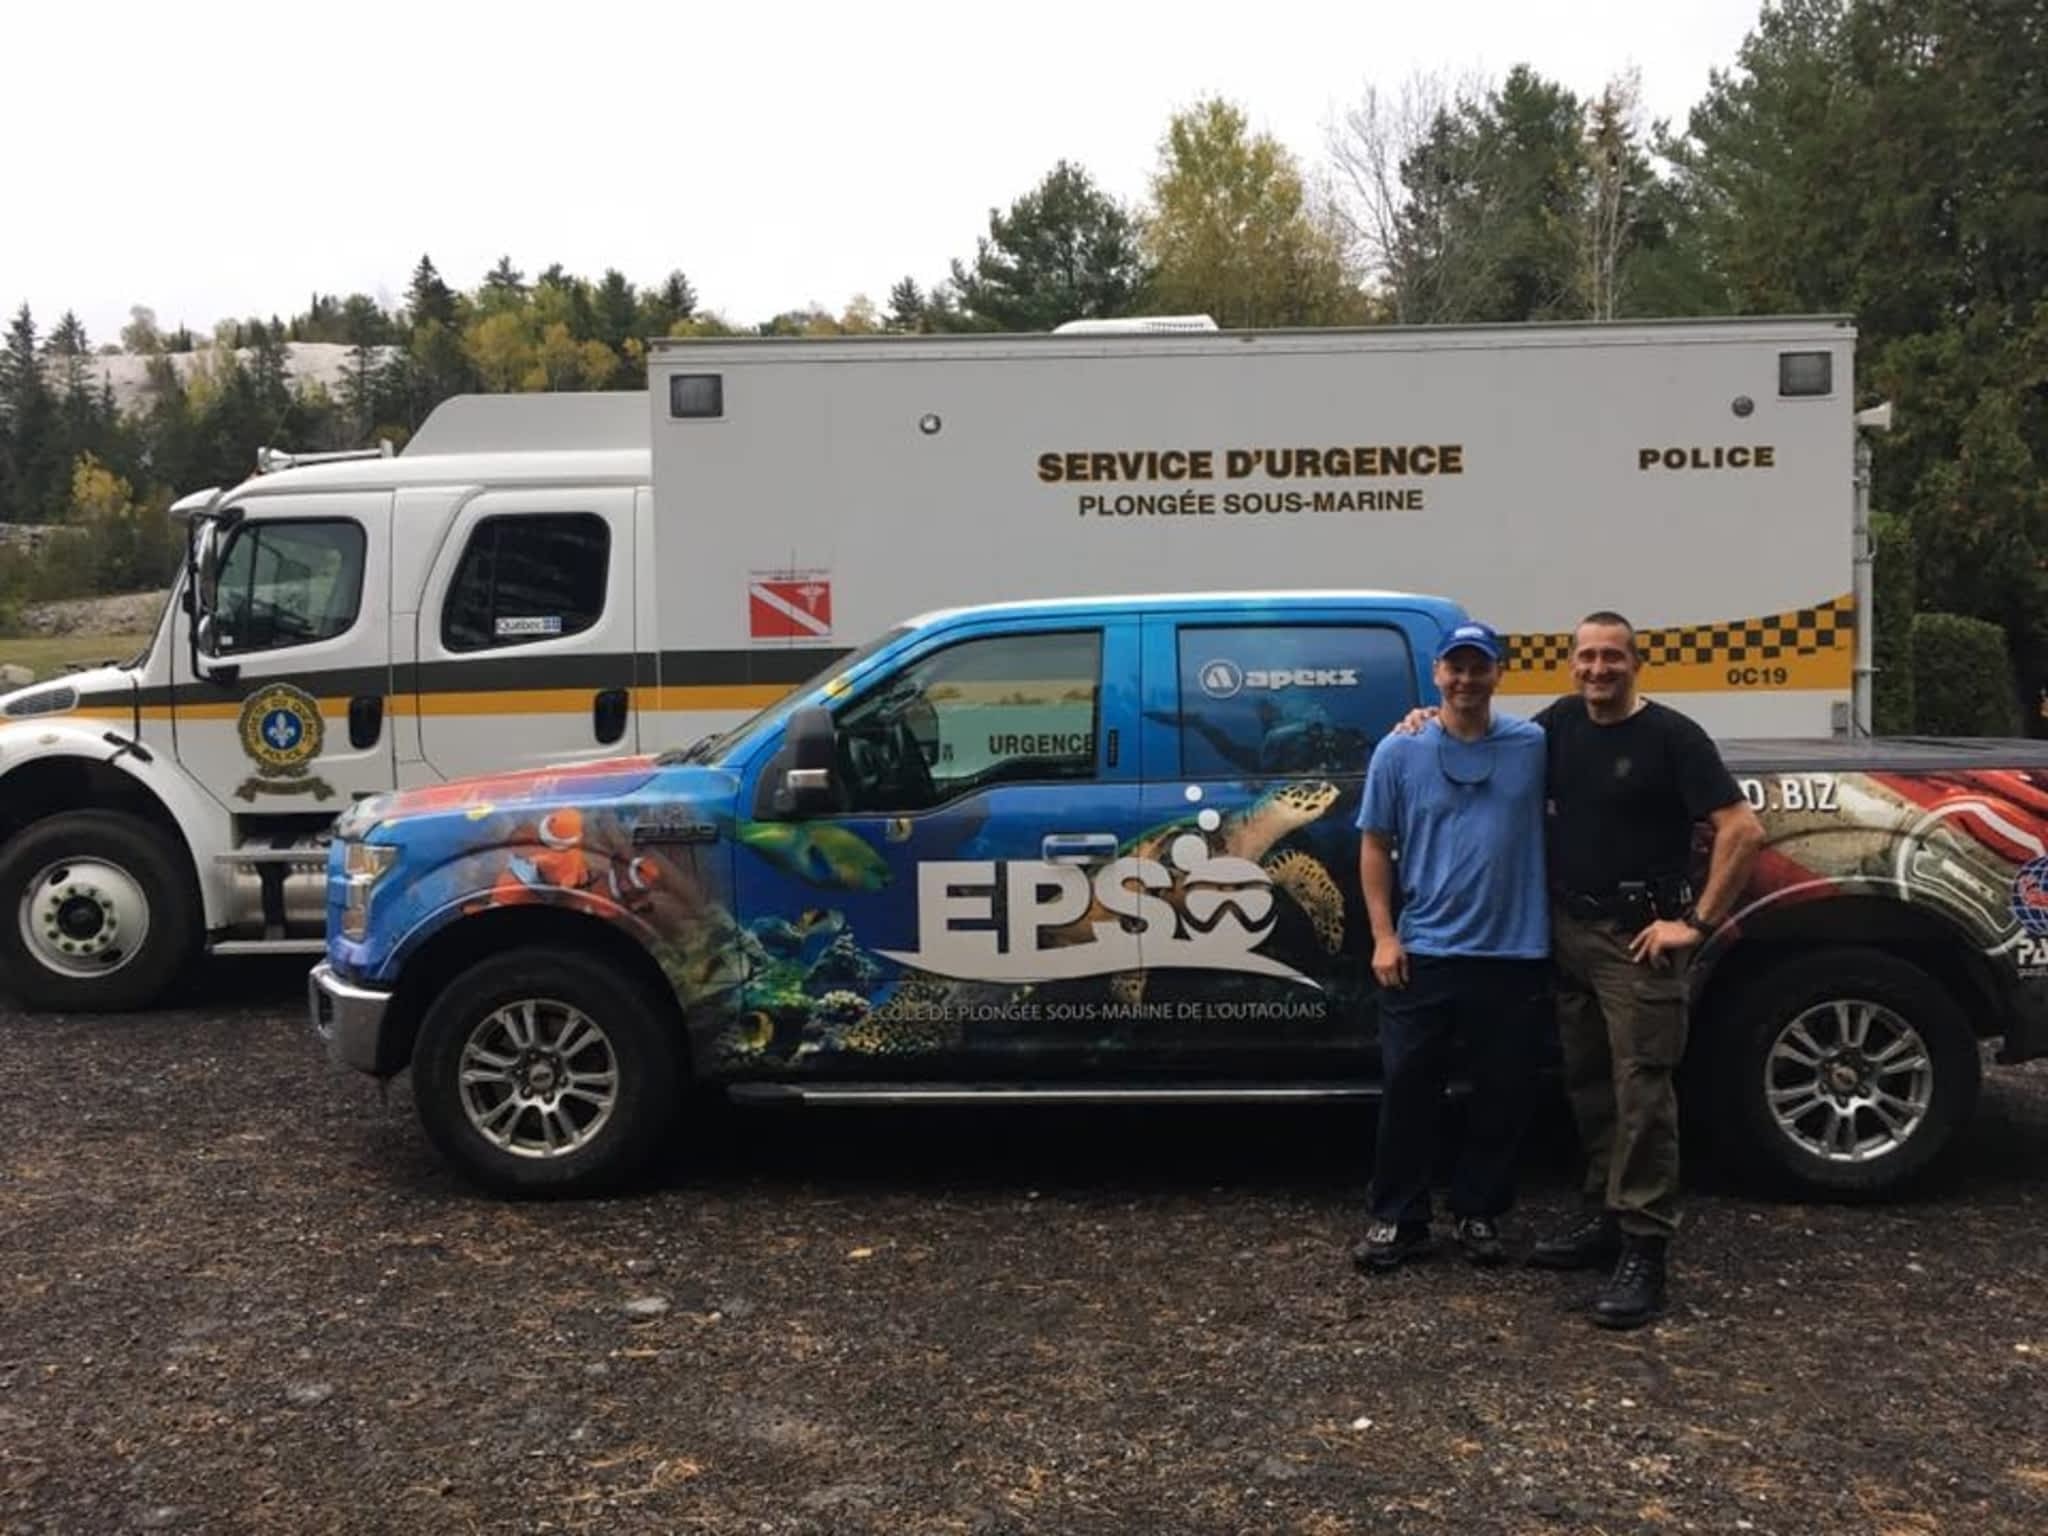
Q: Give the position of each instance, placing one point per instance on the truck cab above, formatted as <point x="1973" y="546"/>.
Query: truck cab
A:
<point x="344" y="625"/>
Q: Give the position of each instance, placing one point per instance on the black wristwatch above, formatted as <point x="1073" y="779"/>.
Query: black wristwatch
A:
<point x="1699" y="925"/>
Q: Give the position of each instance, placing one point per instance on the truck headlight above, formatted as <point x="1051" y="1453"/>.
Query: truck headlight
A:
<point x="363" y="864"/>
<point x="368" y="860"/>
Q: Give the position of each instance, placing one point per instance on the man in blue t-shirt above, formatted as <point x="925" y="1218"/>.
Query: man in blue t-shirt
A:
<point x="1461" y="803"/>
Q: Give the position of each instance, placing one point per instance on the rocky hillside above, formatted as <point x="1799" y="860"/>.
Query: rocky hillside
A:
<point x="132" y="613"/>
<point x="309" y="362"/>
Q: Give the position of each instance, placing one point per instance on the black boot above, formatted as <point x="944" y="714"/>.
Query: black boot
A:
<point x="1634" y="1293"/>
<point x="1591" y="1242"/>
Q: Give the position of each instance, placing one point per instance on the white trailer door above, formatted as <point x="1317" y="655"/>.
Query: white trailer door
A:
<point x="526" y="634"/>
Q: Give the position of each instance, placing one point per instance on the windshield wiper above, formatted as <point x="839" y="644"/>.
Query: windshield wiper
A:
<point x="694" y="753"/>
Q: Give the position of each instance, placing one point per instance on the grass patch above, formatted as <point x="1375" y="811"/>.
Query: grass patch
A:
<point x="46" y="657"/>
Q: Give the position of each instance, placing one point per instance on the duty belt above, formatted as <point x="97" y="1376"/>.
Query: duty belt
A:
<point x="1587" y="908"/>
<point x="1666" y="898"/>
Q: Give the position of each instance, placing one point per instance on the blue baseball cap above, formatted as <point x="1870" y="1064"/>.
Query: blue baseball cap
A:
<point x="1473" y="634"/>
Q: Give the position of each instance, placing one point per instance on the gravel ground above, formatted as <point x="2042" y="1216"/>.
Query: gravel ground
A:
<point x="240" y="1294"/>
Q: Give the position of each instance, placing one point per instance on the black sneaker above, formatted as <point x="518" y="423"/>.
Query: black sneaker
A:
<point x="1389" y="1245"/>
<point x="1591" y="1242"/>
<point x="1479" y="1240"/>
<point x="1634" y="1293"/>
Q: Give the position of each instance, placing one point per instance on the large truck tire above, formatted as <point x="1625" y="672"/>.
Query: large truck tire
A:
<point x="545" y="1072"/>
<point x="1845" y="1072"/>
<point x="97" y="913"/>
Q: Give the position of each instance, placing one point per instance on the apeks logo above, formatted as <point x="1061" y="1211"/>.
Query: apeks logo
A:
<point x="1222" y="679"/>
<point x="1194" y="911"/>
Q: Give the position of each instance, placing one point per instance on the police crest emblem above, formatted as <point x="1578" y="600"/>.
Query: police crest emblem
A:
<point x="281" y="732"/>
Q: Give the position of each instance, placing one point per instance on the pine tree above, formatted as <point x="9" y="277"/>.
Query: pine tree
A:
<point x="34" y="485"/>
<point x="906" y="306"/>
<point x="678" y="297"/>
<point x="505" y="280"/>
<point x="428" y="298"/>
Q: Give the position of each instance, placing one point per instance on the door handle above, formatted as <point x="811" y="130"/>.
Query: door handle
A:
<point x="608" y="715"/>
<point x="365" y="721"/>
<point x="1076" y="847"/>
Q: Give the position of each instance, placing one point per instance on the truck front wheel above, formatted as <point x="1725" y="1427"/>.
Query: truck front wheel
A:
<point x="1847" y="1071"/>
<point x="545" y="1072"/>
<point x="97" y="913"/>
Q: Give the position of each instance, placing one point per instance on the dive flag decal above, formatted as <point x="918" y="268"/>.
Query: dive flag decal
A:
<point x="789" y="606"/>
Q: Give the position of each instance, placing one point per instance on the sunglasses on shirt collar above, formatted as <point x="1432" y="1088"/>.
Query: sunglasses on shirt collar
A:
<point x="1467" y="764"/>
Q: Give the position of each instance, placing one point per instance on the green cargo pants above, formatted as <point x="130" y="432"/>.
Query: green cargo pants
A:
<point x="1622" y="1027"/>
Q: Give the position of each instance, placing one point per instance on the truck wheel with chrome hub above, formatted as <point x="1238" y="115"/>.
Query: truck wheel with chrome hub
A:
<point x="545" y="1072"/>
<point x="1848" y="1070"/>
<point x="103" y="914"/>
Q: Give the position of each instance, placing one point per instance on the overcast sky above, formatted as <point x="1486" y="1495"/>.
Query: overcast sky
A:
<point x="211" y="159"/>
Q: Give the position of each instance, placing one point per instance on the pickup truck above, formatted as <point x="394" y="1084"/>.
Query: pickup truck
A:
<point x="1104" y="850"/>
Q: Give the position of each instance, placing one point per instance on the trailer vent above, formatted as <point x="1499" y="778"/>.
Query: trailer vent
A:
<point x="696" y="396"/>
<point x="1806" y="373"/>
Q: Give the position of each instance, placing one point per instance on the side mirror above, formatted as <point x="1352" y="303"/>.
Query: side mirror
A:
<point x="809" y="746"/>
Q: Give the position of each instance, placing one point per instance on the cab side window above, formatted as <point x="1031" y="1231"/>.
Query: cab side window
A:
<point x="1005" y="709"/>
<point x="527" y="577"/>
<point x="287" y="583"/>
<point x="1289" y="699"/>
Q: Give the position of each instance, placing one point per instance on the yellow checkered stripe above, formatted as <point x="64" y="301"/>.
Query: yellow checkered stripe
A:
<point x="1803" y="648"/>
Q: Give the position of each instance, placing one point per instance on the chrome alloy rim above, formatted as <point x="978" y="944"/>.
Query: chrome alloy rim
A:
<point x="1849" y="1081"/>
<point x="84" y="918"/>
<point x="538" y="1078"/>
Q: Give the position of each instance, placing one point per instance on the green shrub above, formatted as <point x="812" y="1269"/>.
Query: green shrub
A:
<point x="1962" y="678"/>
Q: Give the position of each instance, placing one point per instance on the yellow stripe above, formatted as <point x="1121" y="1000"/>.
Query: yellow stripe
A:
<point x="1801" y="649"/>
<point x="713" y="696"/>
<point x="1793" y="674"/>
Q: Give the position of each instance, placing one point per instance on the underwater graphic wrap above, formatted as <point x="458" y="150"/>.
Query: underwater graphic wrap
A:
<point x="1219" y="917"/>
<point x="795" y="944"/>
<point x="1969" y="844"/>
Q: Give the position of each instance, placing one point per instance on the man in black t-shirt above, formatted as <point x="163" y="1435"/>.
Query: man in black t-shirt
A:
<point x="1628" y="781"/>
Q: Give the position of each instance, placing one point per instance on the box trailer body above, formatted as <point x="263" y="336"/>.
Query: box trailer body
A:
<point x="1696" y="476"/>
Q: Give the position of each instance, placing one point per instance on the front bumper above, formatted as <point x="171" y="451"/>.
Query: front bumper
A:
<point x="353" y="1021"/>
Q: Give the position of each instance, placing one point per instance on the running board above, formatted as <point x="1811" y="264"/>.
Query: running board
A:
<point x="1056" y="1093"/>
<point x="268" y="947"/>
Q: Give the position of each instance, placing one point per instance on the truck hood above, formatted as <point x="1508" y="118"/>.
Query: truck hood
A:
<point x="474" y="799"/>
<point x="61" y="694"/>
<point x="603" y="838"/>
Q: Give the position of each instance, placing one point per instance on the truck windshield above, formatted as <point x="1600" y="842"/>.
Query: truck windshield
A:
<point x="720" y="744"/>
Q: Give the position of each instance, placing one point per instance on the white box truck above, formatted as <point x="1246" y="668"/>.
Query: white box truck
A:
<point x="541" y="579"/>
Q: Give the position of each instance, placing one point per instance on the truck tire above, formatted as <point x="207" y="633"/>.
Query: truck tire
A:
<point x="98" y="913"/>
<point x="1846" y="1072"/>
<point x="545" y="1072"/>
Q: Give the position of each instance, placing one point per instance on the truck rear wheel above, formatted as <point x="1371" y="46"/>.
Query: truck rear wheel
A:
<point x="97" y="913"/>
<point x="545" y="1072"/>
<point x="1848" y="1071"/>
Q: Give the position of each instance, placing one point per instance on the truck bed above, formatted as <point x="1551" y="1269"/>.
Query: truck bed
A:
<point x="1882" y="754"/>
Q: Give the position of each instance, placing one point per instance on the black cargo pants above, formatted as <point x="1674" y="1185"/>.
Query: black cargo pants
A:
<point x="1622" y="1027"/>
